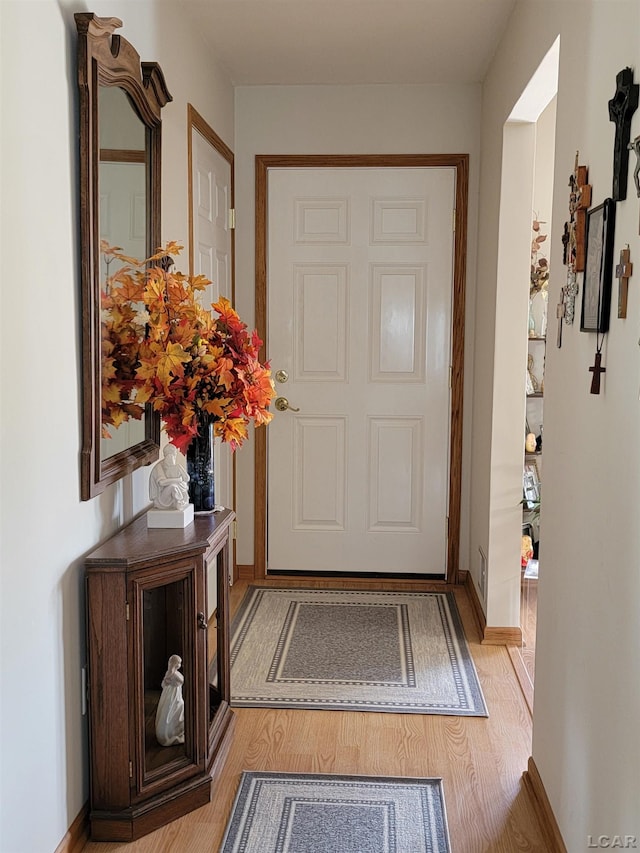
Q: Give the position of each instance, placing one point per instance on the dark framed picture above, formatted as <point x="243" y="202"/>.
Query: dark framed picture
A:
<point x="598" y="271"/>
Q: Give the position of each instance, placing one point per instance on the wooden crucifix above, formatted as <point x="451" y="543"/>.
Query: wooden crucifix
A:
<point x="597" y="369"/>
<point x="621" y="109"/>
<point x="574" y="236"/>
<point x="623" y="271"/>
<point x="582" y="202"/>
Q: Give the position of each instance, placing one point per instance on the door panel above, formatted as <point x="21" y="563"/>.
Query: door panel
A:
<point x="319" y="473"/>
<point x="360" y="268"/>
<point x="321" y="322"/>
<point x="395" y="490"/>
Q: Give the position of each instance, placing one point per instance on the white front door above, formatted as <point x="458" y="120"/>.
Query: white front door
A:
<point x="212" y="257"/>
<point x="360" y="271"/>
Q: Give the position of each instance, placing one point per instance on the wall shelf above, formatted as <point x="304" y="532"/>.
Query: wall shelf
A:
<point x="532" y="463"/>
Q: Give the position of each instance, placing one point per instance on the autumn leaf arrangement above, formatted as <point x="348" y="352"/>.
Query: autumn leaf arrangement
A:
<point x="161" y="346"/>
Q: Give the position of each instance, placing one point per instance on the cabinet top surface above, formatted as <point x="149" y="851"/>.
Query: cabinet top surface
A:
<point x="136" y="542"/>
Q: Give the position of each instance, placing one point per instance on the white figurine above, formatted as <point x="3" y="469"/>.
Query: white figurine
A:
<point x="170" y="713"/>
<point x="168" y="487"/>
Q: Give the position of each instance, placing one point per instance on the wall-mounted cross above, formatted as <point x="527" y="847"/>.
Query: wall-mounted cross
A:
<point x="582" y="204"/>
<point x="575" y="234"/>
<point x="597" y="369"/>
<point x="621" y="109"/>
<point x="623" y="271"/>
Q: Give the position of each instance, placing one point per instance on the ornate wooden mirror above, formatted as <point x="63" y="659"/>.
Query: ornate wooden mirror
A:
<point x="120" y="142"/>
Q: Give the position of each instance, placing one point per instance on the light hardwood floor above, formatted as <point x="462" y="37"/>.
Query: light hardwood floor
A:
<point x="528" y="614"/>
<point x="524" y="657"/>
<point x="481" y="760"/>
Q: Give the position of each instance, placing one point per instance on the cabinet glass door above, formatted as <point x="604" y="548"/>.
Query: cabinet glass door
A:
<point x="213" y="664"/>
<point x="168" y="688"/>
<point x="217" y="564"/>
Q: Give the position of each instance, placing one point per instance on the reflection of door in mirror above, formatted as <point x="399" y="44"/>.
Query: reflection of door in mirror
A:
<point x="122" y="182"/>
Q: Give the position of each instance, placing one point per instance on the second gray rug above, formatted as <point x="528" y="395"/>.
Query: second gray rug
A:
<point x="318" y="813"/>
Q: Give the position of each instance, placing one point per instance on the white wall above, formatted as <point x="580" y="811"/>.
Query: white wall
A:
<point x="45" y="528"/>
<point x="526" y="185"/>
<point x="587" y="692"/>
<point x="348" y="120"/>
<point x="544" y="170"/>
<point x="509" y="364"/>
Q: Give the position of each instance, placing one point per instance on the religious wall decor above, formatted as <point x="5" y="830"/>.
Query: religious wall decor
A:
<point x="624" y="269"/>
<point x="597" y="369"/>
<point x="634" y="146"/>
<point x="573" y="238"/>
<point x="561" y="310"/>
<point x="596" y="292"/>
<point x="621" y="109"/>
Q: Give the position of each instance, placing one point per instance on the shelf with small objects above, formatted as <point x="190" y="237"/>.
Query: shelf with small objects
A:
<point x="534" y="385"/>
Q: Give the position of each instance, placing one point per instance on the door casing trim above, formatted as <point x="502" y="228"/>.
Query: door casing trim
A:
<point x="196" y="122"/>
<point x="459" y="162"/>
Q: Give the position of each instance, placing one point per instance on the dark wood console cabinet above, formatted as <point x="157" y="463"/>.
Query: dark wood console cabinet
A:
<point x="147" y="599"/>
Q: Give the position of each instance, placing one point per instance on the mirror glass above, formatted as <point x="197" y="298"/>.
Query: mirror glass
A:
<point x="122" y="181"/>
<point x="120" y="145"/>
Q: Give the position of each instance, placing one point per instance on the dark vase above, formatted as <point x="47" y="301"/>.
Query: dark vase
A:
<point x="200" y="470"/>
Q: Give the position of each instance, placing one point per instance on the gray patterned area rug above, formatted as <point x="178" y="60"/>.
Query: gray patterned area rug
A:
<point x="400" y="652"/>
<point x="321" y="813"/>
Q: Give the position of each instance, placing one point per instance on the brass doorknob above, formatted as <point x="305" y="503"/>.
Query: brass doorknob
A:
<point x="282" y="404"/>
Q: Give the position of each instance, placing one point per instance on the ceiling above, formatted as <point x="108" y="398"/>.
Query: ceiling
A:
<point x="306" y="42"/>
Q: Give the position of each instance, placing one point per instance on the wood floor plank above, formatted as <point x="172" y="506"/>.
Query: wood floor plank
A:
<point x="481" y="760"/>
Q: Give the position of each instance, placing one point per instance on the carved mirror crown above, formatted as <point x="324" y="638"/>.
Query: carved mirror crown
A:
<point x="120" y="144"/>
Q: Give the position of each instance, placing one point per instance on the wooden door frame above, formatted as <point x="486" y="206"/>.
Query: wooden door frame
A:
<point x="196" y="122"/>
<point x="459" y="162"/>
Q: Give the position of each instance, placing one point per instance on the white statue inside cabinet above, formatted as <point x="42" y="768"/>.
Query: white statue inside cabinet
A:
<point x="170" y="713"/>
